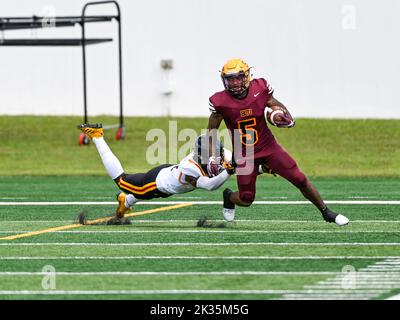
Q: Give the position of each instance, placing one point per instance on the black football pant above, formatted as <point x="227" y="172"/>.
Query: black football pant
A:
<point x="142" y="185"/>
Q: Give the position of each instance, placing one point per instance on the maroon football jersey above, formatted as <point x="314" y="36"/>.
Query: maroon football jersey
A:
<point x="246" y="115"/>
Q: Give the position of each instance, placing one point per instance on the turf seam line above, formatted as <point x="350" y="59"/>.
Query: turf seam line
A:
<point x="395" y="259"/>
<point x="388" y="276"/>
<point x="202" y="231"/>
<point x="177" y="291"/>
<point x="103" y="203"/>
<point x="202" y="244"/>
<point x="317" y="221"/>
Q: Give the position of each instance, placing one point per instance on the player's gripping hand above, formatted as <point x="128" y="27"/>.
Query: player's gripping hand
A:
<point x="284" y="121"/>
<point x="279" y="117"/>
<point x="230" y="167"/>
<point x="214" y="166"/>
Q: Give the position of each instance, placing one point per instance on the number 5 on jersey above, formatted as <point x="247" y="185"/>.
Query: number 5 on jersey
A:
<point x="249" y="135"/>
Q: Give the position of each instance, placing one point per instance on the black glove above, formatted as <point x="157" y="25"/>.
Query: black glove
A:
<point x="231" y="166"/>
<point x="263" y="168"/>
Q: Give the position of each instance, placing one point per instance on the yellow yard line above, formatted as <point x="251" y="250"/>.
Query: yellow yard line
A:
<point x="34" y="233"/>
<point x="77" y="225"/>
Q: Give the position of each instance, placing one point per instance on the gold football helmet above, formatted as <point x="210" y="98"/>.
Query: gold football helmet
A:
<point x="236" y="76"/>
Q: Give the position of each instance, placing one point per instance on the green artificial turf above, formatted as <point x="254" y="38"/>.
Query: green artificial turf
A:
<point x="280" y="249"/>
<point x="272" y="251"/>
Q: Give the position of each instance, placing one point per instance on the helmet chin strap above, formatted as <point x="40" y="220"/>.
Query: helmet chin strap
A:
<point x="240" y="95"/>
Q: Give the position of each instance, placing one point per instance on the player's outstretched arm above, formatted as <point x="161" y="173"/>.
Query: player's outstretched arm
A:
<point x="207" y="183"/>
<point x="214" y="121"/>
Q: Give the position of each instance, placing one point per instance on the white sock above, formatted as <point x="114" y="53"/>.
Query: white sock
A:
<point x="110" y="161"/>
<point x="130" y="200"/>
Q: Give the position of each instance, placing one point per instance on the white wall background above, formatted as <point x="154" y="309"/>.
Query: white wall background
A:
<point x="333" y="58"/>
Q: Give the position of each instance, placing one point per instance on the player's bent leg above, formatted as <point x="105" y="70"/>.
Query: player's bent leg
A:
<point x="243" y="198"/>
<point x="230" y="200"/>
<point x="312" y="194"/>
<point x="124" y="205"/>
<point x="247" y="189"/>
<point x="228" y="209"/>
<point x="284" y="165"/>
<point x="136" y="187"/>
<point x="126" y="198"/>
<point x="110" y="161"/>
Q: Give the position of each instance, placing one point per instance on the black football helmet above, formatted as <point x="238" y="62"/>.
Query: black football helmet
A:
<point x="202" y="150"/>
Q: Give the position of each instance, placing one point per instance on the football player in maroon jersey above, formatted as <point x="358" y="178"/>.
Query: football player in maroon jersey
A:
<point x="242" y="106"/>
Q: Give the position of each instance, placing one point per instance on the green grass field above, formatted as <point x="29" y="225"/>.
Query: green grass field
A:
<point x="48" y="145"/>
<point x="273" y="250"/>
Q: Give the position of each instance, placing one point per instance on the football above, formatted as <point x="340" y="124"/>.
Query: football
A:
<point x="278" y="117"/>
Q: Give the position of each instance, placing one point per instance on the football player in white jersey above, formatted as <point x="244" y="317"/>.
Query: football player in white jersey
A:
<point x="164" y="180"/>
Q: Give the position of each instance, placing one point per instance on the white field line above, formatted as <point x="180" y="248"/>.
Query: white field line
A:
<point x="197" y="258"/>
<point x="370" y="269"/>
<point x="14" y="198"/>
<point x="202" y="231"/>
<point x="381" y="288"/>
<point x="104" y="203"/>
<point x="166" y="292"/>
<point x="193" y="220"/>
<point x="396" y="297"/>
<point x="203" y="244"/>
<point x="370" y="277"/>
<point x="325" y="297"/>
<point x="367" y="284"/>
<point x="150" y="273"/>
<point x="382" y="279"/>
<point x="206" y="273"/>
<point x="384" y="267"/>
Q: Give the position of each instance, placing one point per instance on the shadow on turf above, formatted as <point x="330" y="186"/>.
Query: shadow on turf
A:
<point x="82" y="219"/>
<point x="203" y="222"/>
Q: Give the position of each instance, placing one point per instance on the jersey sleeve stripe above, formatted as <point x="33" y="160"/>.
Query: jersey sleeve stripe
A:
<point x="211" y="107"/>
<point x="270" y="89"/>
<point x="198" y="167"/>
<point x="180" y="179"/>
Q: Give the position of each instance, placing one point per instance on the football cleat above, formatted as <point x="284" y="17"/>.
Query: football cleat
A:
<point x="229" y="214"/>
<point x="228" y="210"/>
<point x="339" y="219"/>
<point x="121" y="209"/>
<point x="92" y="130"/>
